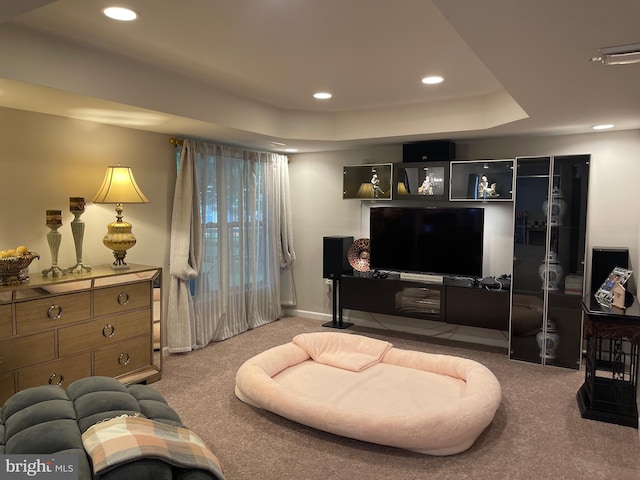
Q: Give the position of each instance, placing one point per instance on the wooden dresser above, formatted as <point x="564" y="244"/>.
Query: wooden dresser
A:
<point x="57" y="330"/>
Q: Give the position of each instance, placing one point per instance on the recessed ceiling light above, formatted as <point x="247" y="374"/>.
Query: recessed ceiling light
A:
<point x="322" y="95"/>
<point x="120" y="13"/>
<point x="291" y="150"/>
<point x="603" y="127"/>
<point x="432" y="80"/>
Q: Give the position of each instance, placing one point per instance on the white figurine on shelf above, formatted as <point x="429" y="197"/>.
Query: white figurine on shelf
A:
<point x="483" y="185"/>
<point x="485" y="190"/>
<point x="375" y="186"/>
<point x="491" y="191"/>
<point x="427" y="186"/>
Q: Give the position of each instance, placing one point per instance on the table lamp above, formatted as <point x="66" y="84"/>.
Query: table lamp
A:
<point x="119" y="187"/>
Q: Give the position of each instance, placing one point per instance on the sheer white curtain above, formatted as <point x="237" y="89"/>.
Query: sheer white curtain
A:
<point x="246" y="244"/>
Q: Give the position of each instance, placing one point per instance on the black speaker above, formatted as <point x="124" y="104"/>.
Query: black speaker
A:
<point x="603" y="260"/>
<point x="431" y="151"/>
<point x="334" y="257"/>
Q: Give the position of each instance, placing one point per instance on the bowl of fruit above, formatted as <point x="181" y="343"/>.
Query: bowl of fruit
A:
<point x="14" y="265"/>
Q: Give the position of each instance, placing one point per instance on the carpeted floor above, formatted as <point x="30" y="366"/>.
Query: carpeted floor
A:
<point x="537" y="432"/>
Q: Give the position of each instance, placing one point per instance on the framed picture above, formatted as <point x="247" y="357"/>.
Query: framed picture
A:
<point x="613" y="288"/>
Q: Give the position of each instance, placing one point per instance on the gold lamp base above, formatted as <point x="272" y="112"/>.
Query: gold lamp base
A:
<point x="119" y="239"/>
<point x="119" y="187"/>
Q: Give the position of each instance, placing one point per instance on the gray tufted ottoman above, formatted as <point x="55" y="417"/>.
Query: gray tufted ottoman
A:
<point x="50" y="420"/>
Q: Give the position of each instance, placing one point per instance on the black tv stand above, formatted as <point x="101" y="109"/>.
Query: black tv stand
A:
<point x="454" y="301"/>
<point x="393" y="296"/>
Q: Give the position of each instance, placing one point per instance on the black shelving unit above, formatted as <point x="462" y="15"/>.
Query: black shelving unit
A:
<point x="549" y="249"/>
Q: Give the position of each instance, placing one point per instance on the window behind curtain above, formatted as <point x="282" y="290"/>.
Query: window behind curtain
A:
<point x="223" y="218"/>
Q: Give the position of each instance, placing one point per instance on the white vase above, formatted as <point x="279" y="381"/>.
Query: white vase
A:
<point x="549" y="339"/>
<point x="558" y="207"/>
<point x="552" y="275"/>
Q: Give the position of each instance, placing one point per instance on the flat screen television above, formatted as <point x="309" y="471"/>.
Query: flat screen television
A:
<point x="443" y="241"/>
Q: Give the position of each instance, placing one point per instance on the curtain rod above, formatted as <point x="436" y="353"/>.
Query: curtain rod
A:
<point x="177" y="141"/>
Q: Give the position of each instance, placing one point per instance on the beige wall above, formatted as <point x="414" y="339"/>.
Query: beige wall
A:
<point x="46" y="159"/>
<point x="318" y="211"/>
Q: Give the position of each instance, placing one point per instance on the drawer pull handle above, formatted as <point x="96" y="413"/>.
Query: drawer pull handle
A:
<point x="108" y="330"/>
<point x="54" y="312"/>
<point x="53" y="381"/>
<point x="124" y="359"/>
<point x="123" y="298"/>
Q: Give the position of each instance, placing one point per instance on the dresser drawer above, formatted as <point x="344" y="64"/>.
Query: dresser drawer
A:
<point x="6" y="328"/>
<point x="7" y="387"/>
<point x="51" y="312"/>
<point x="59" y="372"/>
<point x="123" y="357"/>
<point x="121" y="298"/>
<point x="103" y="331"/>
<point x="23" y="351"/>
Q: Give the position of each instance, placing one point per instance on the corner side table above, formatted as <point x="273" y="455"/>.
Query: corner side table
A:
<point x="611" y="368"/>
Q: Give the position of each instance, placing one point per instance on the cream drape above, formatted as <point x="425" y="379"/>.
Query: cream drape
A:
<point x="246" y="245"/>
<point x="287" y="254"/>
<point x="186" y="252"/>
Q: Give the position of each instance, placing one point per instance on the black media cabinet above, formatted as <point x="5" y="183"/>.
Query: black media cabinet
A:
<point x="454" y="301"/>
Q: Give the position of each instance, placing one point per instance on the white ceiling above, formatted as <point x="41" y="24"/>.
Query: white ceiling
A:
<point x="244" y="71"/>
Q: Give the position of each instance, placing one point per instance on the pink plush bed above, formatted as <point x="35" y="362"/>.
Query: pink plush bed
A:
<point x="366" y="389"/>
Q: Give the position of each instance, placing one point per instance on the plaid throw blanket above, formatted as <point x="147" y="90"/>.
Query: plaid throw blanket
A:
<point x="126" y="439"/>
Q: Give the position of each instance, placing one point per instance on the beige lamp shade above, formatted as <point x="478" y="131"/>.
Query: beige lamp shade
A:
<point x="365" y="190"/>
<point x="119" y="187"/>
